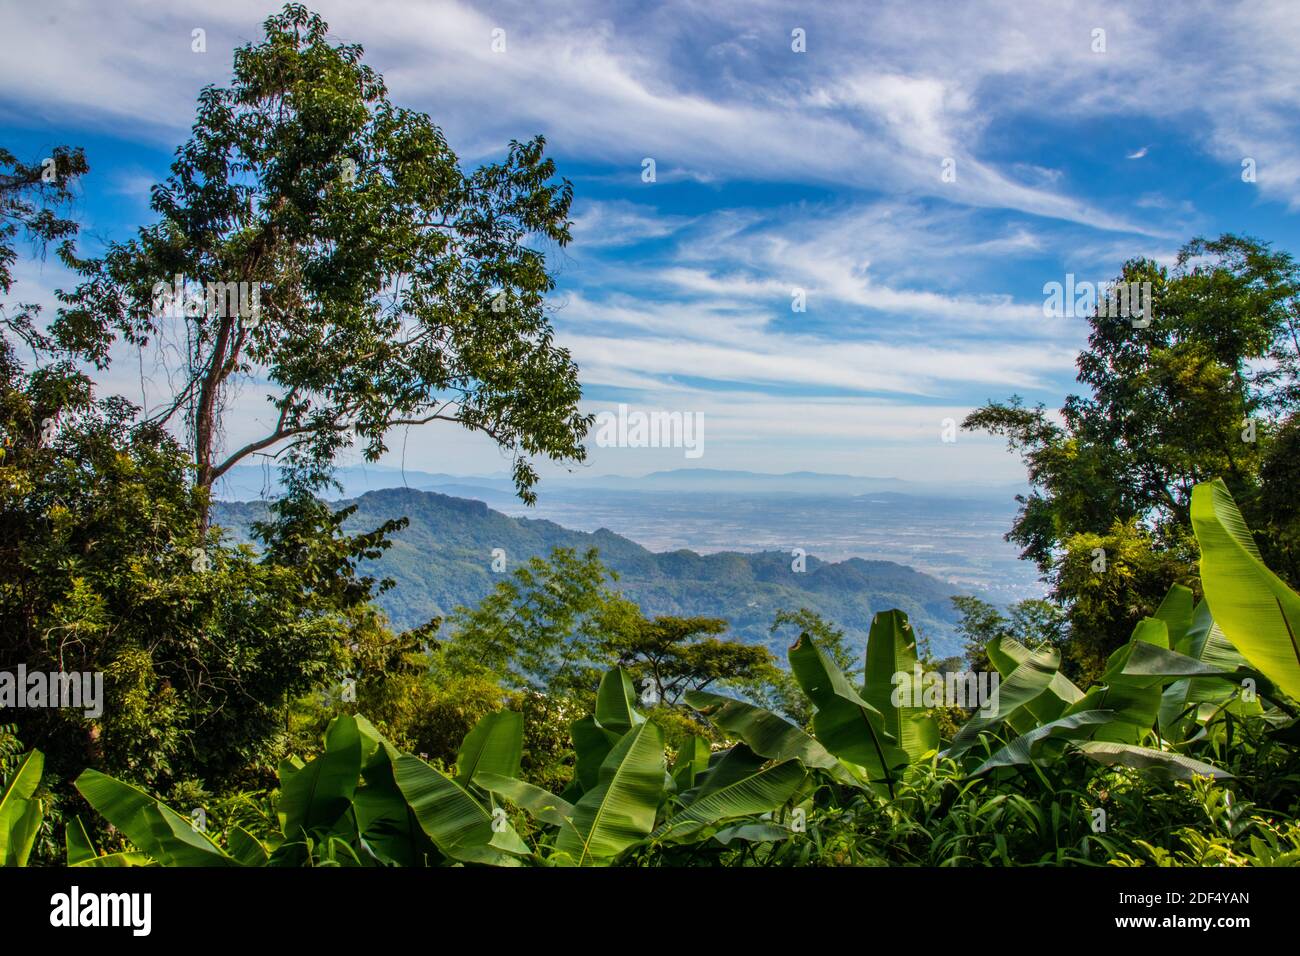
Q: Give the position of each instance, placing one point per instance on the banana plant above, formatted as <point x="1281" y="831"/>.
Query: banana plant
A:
<point x="1039" y="714"/>
<point x="21" y="811"/>
<point x="83" y="853"/>
<point x="1258" y="613"/>
<point x="633" y="800"/>
<point x="859" y="738"/>
<point x="1182" y="669"/>
<point x="1112" y="723"/>
<point x="360" y="802"/>
<point x="891" y="651"/>
<point x="156" y="831"/>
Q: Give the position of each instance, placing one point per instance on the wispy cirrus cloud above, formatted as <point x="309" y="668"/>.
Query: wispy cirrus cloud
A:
<point x="917" y="174"/>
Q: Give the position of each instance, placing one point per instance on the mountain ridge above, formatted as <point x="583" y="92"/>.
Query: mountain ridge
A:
<point x="443" y="559"/>
<point x="248" y="482"/>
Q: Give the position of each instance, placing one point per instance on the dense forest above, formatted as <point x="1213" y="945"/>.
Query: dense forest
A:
<point x="243" y="699"/>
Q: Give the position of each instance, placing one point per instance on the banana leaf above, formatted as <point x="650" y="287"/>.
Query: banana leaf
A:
<point x="461" y="827"/>
<point x="615" y="700"/>
<point x="494" y="745"/>
<point x="1006" y="654"/>
<point x="620" y="811"/>
<point x="1258" y="613"/>
<point x="891" y="649"/>
<point x="591" y="745"/>
<point x="691" y="762"/>
<point x="1026" y="683"/>
<point x="758" y="793"/>
<point x="1133" y="699"/>
<point x="761" y="832"/>
<point x="21" y="812"/>
<point x="151" y="826"/>
<point x="314" y="797"/>
<point x="536" y="802"/>
<point x="246" y="848"/>
<point x="1024" y="749"/>
<point x="766" y="733"/>
<point x="844" y="723"/>
<point x="1160" y="763"/>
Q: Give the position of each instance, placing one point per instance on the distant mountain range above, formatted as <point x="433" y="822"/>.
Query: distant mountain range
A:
<point x="443" y="559"/>
<point x="246" y="483"/>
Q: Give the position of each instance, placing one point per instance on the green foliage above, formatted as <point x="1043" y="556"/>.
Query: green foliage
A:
<point x="200" y="645"/>
<point x="394" y="288"/>
<point x="361" y="802"/>
<point x="1200" y="392"/>
<point x="31" y="195"/>
<point x="778" y="690"/>
<point x="1032" y="622"/>
<point x="1259" y="614"/>
<point x="21" y="810"/>
<point x="666" y="657"/>
<point x="556" y="724"/>
<point x="541" y="627"/>
<point x="868" y="786"/>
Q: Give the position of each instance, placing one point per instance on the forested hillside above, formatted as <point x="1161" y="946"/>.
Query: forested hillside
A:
<point x="444" y="559"/>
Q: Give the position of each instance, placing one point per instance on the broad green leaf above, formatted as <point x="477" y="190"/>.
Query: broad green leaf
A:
<point x="1151" y="660"/>
<point x="1258" y="613"/>
<point x="766" y="733"/>
<point x="82" y="852"/>
<point x="725" y="768"/>
<point x="495" y="745"/>
<point x="1006" y="654"/>
<point x="20" y="811"/>
<point x="460" y="826"/>
<point x="762" y="832"/>
<point x="114" y="860"/>
<point x="315" y="797"/>
<point x="1024" y="748"/>
<point x="1160" y="762"/>
<point x="615" y="700"/>
<point x="538" y="803"/>
<point x="246" y="848"/>
<point x="22" y="836"/>
<point x="376" y="751"/>
<point x="386" y="827"/>
<point x="80" y="846"/>
<point x="591" y="745"/>
<point x="755" y="794"/>
<point x="620" y="811"/>
<point x="1133" y="699"/>
<point x="844" y="723"/>
<point x="1030" y="679"/>
<point x="1205" y="668"/>
<point x="891" y="650"/>
<point x="151" y="826"/>
<point x="691" y="762"/>
<point x="1178" y="612"/>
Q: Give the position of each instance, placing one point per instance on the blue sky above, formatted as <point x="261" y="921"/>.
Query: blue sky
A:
<point x="775" y="171"/>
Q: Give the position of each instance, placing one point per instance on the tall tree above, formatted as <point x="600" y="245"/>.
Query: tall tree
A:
<point x="1203" y="388"/>
<point x="31" y="197"/>
<point x="378" y="284"/>
<point x="669" y="656"/>
<point x="542" y="627"/>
